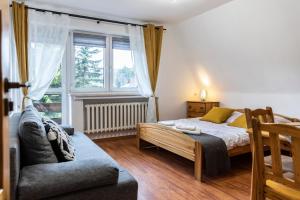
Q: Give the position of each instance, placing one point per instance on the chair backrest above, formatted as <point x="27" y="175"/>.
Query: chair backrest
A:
<point x="263" y="115"/>
<point x="275" y="173"/>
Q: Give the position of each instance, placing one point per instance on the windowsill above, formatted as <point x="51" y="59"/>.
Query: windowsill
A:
<point x="111" y="95"/>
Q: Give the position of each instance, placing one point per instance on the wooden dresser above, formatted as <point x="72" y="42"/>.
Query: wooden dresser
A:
<point x="200" y="108"/>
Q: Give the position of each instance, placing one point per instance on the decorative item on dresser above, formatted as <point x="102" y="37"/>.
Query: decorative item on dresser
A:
<point x="200" y="108"/>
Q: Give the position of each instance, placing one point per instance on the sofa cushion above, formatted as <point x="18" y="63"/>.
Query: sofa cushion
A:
<point x="36" y="148"/>
<point x="87" y="149"/>
<point x="60" y="141"/>
<point x="125" y="189"/>
<point x="48" y="180"/>
<point x="14" y="152"/>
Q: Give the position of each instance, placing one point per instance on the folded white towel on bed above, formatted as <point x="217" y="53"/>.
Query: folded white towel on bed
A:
<point x="195" y="132"/>
<point x="186" y="127"/>
<point x="188" y="130"/>
<point x="167" y="123"/>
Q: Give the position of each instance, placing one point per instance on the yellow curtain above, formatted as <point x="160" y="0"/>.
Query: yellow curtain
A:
<point x="20" y="24"/>
<point x="153" y="42"/>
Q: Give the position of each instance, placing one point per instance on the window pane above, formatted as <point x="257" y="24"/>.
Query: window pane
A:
<point x="89" y="66"/>
<point x="50" y="106"/>
<point x="123" y="71"/>
<point x="56" y="82"/>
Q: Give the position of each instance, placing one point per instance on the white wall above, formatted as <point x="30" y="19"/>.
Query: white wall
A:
<point x="174" y="84"/>
<point x="246" y="53"/>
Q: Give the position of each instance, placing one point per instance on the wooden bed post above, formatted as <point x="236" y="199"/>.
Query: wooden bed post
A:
<point x="138" y="136"/>
<point x="198" y="162"/>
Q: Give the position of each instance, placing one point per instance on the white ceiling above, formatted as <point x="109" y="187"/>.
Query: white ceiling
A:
<point x="159" y="11"/>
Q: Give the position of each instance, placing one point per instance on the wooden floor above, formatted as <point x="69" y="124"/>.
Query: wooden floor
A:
<point x="165" y="176"/>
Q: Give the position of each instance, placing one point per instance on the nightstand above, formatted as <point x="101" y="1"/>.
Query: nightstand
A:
<point x="200" y="108"/>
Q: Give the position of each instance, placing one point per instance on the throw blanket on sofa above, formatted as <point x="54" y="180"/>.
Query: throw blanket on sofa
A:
<point x="216" y="159"/>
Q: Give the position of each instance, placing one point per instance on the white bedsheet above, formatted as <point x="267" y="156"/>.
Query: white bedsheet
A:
<point x="232" y="136"/>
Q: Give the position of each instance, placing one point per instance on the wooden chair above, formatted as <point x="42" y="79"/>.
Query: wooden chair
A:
<point x="267" y="116"/>
<point x="273" y="181"/>
<point x="263" y="115"/>
<point x="259" y="114"/>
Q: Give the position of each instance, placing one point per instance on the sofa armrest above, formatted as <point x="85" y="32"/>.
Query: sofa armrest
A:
<point x="69" y="130"/>
<point x="49" y="180"/>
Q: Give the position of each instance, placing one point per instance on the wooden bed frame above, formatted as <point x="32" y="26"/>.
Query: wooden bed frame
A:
<point x="181" y="144"/>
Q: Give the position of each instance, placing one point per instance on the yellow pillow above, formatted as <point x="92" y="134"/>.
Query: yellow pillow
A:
<point x="217" y="115"/>
<point x="239" y="122"/>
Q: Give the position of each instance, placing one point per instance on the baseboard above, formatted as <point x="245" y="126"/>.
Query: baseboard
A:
<point x="112" y="135"/>
<point x="114" y="138"/>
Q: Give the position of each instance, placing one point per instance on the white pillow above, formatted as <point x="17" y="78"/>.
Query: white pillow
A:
<point x="233" y="117"/>
<point x="281" y="120"/>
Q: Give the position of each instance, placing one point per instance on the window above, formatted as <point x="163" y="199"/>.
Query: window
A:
<point x="123" y="71"/>
<point x="89" y="60"/>
<point x="102" y="63"/>
<point x="93" y="63"/>
<point x="51" y="103"/>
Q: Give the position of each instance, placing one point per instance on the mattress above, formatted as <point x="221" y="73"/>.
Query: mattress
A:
<point x="232" y="136"/>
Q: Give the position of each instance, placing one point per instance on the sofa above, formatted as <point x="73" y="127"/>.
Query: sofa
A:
<point x="92" y="175"/>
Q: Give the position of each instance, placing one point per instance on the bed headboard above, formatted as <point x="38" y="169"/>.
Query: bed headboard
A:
<point x="288" y="118"/>
<point x="279" y="115"/>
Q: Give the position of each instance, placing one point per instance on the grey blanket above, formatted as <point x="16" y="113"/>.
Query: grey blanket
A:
<point x="216" y="159"/>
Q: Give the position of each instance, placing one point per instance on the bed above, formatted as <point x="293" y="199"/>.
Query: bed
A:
<point x="174" y="140"/>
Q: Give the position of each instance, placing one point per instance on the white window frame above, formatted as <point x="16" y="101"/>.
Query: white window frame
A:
<point x="108" y="89"/>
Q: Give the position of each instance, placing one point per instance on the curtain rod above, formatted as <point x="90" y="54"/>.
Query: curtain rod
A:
<point x="85" y="17"/>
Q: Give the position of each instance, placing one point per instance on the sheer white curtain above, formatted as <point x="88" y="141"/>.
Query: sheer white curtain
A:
<point x="137" y="45"/>
<point x="47" y="38"/>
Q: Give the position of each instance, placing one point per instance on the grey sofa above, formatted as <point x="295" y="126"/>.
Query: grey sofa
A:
<point x="92" y="175"/>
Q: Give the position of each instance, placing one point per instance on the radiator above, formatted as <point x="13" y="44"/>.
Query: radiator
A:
<point x="108" y="117"/>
